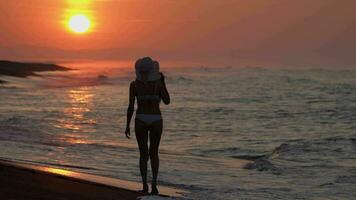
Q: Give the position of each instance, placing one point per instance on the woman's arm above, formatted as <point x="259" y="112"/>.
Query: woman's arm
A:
<point x="164" y="92"/>
<point x="130" y="109"/>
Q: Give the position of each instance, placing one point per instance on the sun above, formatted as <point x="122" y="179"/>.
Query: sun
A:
<point x="79" y="23"/>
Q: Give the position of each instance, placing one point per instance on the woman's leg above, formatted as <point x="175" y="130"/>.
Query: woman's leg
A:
<point x="155" y="138"/>
<point x="141" y="133"/>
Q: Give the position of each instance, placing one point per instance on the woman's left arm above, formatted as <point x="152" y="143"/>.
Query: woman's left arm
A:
<point x="130" y="109"/>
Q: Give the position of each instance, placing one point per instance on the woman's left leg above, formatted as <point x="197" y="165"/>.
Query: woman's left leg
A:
<point x="141" y="133"/>
<point x="155" y="138"/>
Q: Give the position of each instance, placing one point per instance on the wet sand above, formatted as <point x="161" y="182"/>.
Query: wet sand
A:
<point x="31" y="182"/>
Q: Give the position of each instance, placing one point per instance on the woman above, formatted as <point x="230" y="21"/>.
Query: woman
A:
<point x="149" y="88"/>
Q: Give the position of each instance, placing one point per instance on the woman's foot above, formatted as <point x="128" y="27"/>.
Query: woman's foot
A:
<point x="144" y="189"/>
<point x="154" y="190"/>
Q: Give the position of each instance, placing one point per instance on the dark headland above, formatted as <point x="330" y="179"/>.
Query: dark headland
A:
<point x="22" y="69"/>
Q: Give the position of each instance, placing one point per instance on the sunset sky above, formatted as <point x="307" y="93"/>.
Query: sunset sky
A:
<point x="208" y="32"/>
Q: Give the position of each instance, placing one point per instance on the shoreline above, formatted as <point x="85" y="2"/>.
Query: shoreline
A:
<point x="27" y="181"/>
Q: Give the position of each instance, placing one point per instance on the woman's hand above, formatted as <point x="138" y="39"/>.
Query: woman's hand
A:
<point x="127" y="132"/>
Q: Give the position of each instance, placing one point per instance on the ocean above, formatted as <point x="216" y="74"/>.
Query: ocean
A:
<point x="295" y="129"/>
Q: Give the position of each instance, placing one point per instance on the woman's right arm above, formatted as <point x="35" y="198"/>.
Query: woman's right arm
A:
<point x="130" y="109"/>
<point x="164" y="92"/>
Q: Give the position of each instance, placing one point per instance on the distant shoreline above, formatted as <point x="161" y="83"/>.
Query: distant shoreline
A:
<point x="23" y="70"/>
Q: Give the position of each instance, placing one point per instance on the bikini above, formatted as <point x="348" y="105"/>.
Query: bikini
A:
<point x="148" y="119"/>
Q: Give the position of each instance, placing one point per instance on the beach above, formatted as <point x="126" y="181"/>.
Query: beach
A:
<point x="32" y="182"/>
<point x="21" y="183"/>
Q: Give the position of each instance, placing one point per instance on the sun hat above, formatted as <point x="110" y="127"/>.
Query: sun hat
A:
<point x="148" y="66"/>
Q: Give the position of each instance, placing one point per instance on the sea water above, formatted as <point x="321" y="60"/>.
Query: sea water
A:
<point x="229" y="133"/>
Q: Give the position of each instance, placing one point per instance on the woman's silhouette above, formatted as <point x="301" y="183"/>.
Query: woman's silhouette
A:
<point x="149" y="88"/>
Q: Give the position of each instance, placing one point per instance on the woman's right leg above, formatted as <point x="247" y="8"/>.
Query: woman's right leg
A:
<point x="141" y="133"/>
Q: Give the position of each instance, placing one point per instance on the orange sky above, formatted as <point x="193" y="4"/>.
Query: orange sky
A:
<point x="226" y="32"/>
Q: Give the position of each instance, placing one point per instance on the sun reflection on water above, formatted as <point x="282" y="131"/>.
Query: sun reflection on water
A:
<point x="75" y="122"/>
<point x="81" y="101"/>
<point x="75" y="138"/>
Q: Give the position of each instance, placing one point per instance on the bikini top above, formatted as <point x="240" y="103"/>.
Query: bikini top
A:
<point x="153" y="97"/>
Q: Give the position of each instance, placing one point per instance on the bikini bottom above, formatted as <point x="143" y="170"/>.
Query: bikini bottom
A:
<point x="148" y="119"/>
